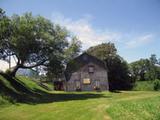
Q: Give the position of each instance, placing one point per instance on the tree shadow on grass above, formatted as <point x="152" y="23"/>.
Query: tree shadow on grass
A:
<point x="66" y="96"/>
<point x="116" y="91"/>
<point x="24" y="94"/>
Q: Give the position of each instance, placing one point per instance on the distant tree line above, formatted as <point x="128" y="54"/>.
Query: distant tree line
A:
<point x="146" y="69"/>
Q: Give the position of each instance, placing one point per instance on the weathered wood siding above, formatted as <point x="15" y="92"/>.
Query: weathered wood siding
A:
<point x="99" y="74"/>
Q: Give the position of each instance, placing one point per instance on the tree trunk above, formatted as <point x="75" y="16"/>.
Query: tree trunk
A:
<point x="13" y="72"/>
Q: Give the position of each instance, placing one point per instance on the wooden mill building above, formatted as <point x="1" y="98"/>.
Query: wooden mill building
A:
<point x="86" y="73"/>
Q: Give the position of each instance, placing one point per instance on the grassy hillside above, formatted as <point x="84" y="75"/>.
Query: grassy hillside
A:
<point x="21" y="89"/>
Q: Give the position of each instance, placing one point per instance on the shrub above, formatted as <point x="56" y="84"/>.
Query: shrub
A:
<point x="157" y="85"/>
<point x="144" y="86"/>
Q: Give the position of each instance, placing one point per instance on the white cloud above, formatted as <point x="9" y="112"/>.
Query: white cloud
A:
<point x="83" y="29"/>
<point x="90" y="36"/>
<point x="140" y="40"/>
<point x="4" y="65"/>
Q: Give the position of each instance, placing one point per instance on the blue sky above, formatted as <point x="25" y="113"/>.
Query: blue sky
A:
<point x="133" y="25"/>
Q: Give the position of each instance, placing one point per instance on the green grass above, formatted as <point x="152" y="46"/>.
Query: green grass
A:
<point x="23" y="89"/>
<point x="7" y="83"/>
<point x="30" y="83"/>
<point x="140" y="108"/>
<point x="46" y="105"/>
<point x="49" y="85"/>
<point x="117" y="106"/>
<point x="4" y="101"/>
<point x="144" y="86"/>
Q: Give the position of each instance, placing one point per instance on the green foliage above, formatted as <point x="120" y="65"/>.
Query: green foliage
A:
<point x="103" y="51"/>
<point x="118" y="74"/>
<point x="156" y="84"/>
<point x="118" y="71"/>
<point x="140" y="68"/>
<point x="157" y="70"/>
<point x="55" y="68"/>
<point x="35" y="41"/>
<point x="73" y="50"/>
<point x="153" y="59"/>
<point x="144" y="86"/>
<point x="145" y="69"/>
<point x="5" y="28"/>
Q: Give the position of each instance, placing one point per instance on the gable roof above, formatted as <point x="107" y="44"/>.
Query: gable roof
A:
<point x="80" y="61"/>
<point x="85" y="58"/>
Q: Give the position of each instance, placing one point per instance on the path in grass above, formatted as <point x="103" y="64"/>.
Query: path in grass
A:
<point x="109" y="106"/>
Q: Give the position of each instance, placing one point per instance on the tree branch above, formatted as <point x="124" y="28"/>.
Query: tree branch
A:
<point x="32" y="66"/>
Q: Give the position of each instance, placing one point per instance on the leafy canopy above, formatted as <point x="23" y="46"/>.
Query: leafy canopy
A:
<point x="33" y="40"/>
<point x="145" y="69"/>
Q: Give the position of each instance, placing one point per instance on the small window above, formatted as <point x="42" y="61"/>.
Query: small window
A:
<point x="91" y="69"/>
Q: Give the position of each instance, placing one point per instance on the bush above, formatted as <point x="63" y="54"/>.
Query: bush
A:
<point x="144" y="86"/>
<point x="157" y="85"/>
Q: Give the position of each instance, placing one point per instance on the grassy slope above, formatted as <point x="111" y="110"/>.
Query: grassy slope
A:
<point x="21" y="89"/>
<point x="133" y="105"/>
<point x="30" y="84"/>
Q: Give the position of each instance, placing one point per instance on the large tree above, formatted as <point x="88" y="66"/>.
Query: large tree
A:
<point x="33" y="40"/>
<point x="118" y="72"/>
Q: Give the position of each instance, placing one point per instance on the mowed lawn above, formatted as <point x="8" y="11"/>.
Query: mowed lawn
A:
<point x="126" y="105"/>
